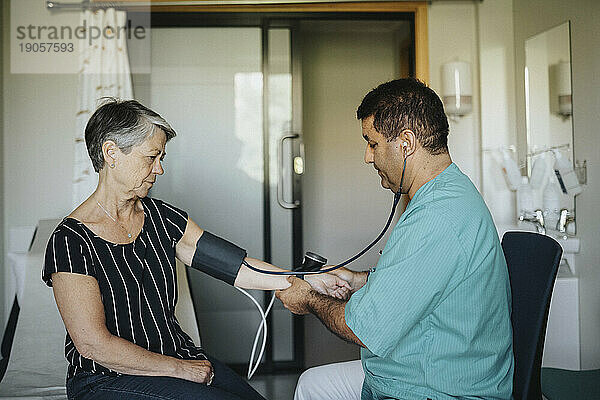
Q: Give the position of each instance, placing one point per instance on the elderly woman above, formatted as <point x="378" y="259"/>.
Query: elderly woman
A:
<point x="111" y="264"/>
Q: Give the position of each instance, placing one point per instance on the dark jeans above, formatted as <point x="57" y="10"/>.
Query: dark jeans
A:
<point x="226" y="385"/>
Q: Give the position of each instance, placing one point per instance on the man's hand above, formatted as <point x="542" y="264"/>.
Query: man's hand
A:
<point x="329" y="285"/>
<point x="301" y="299"/>
<point x="296" y="297"/>
<point x="354" y="278"/>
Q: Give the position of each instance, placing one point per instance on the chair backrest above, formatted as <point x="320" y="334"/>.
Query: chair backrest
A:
<point x="532" y="261"/>
<point x="184" y="311"/>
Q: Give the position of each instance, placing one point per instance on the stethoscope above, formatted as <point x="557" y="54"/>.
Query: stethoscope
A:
<point x="312" y="262"/>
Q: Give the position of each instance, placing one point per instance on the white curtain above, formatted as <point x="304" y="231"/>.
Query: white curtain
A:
<point x="103" y="71"/>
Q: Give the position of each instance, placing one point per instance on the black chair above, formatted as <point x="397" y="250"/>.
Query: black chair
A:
<point x="532" y="261"/>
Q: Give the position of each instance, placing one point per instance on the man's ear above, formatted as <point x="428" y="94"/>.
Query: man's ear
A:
<point x="407" y="142"/>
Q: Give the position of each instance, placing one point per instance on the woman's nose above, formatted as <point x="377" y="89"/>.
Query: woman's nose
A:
<point x="158" y="169"/>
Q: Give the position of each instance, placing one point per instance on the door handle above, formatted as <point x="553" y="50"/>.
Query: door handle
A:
<point x="298" y="169"/>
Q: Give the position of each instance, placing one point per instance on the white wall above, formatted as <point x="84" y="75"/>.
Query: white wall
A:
<point x="498" y="119"/>
<point x="39" y="127"/>
<point x="481" y="34"/>
<point x="452" y="37"/>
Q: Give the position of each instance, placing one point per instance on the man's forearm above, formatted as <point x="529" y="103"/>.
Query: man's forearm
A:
<point x="331" y="312"/>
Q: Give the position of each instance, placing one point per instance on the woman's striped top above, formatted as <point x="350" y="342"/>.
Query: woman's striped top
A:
<point x="138" y="282"/>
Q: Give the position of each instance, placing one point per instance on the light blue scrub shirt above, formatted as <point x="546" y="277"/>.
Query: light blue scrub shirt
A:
<point x="435" y="313"/>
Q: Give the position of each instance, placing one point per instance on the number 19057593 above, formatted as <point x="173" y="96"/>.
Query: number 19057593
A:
<point x="46" y="47"/>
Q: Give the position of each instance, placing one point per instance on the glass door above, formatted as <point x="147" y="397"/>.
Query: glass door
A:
<point x="234" y="166"/>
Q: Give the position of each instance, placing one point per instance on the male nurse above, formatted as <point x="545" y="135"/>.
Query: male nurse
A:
<point x="433" y="317"/>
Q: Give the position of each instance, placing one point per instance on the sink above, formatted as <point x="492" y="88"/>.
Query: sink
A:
<point x="520" y="226"/>
<point x="570" y="245"/>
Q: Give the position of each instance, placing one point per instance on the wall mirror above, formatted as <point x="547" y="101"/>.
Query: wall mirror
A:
<point x="549" y="120"/>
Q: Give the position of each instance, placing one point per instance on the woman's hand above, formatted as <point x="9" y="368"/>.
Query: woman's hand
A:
<point x="355" y="279"/>
<point x="200" y="371"/>
<point x="329" y="285"/>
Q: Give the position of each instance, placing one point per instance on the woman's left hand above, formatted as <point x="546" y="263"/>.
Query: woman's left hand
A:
<point x="329" y="285"/>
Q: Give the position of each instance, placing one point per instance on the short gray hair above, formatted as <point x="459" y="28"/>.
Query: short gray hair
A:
<point x="125" y="122"/>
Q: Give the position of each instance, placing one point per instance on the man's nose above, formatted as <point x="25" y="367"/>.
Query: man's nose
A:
<point x="368" y="155"/>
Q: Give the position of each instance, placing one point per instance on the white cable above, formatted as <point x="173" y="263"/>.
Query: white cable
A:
<point x="262" y="325"/>
<point x="251" y="370"/>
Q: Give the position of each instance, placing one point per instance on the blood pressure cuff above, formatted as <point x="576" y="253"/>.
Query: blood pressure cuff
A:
<point x="218" y="257"/>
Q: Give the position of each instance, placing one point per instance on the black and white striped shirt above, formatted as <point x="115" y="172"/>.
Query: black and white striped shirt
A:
<point x="138" y="282"/>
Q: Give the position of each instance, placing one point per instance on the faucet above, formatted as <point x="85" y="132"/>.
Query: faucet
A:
<point x="537" y="219"/>
<point x="566" y="217"/>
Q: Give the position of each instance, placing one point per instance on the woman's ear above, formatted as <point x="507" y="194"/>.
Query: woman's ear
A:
<point x="110" y="152"/>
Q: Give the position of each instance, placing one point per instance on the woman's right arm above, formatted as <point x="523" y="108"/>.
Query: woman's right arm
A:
<point x="80" y="305"/>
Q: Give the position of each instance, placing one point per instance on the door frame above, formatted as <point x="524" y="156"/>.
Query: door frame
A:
<point x="417" y="9"/>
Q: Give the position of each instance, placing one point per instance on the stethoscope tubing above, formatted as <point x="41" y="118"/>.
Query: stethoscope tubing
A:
<point x="397" y="196"/>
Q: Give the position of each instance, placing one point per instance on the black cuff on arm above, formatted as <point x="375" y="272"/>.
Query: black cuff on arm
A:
<point x="218" y="257"/>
